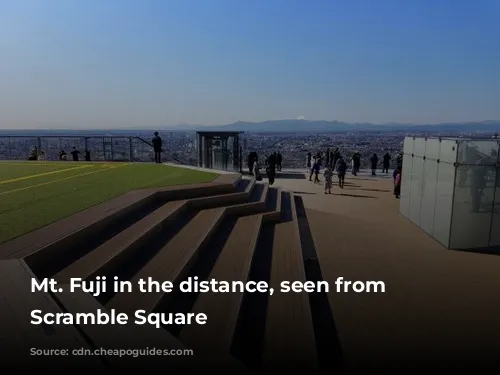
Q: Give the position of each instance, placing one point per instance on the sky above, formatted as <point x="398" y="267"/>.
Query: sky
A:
<point x="134" y="63"/>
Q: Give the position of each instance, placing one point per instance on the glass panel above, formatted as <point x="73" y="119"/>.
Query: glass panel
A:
<point x="432" y="149"/>
<point x="408" y="145"/>
<point x="444" y="202"/>
<point x="404" y="204"/>
<point x="416" y="189"/>
<point x="429" y="187"/>
<point x="448" y="151"/>
<point x="473" y="207"/>
<point x="484" y="152"/>
<point x="419" y="148"/>
<point x="495" y="222"/>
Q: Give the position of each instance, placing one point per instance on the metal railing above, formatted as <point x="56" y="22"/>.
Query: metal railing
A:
<point x="101" y="148"/>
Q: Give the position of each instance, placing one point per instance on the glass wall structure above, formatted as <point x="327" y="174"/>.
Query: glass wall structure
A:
<point x="451" y="190"/>
<point x="219" y="150"/>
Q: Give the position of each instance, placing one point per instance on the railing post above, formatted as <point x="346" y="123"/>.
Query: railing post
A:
<point x="130" y="148"/>
<point x="39" y="146"/>
<point x="112" y="151"/>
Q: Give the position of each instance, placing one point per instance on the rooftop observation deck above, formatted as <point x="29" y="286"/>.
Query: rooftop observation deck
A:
<point x="440" y="309"/>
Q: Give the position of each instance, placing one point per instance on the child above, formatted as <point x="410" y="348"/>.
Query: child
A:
<point x="397" y="184"/>
<point x="328" y="180"/>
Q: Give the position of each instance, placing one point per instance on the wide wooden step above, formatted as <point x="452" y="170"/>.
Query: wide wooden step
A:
<point x="222" y="309"/>
<point x="47" y="258"/>
<point x="256" y="202"/>
<point x="141" y="337"/>
<point x="243" y="194"/>
<point x="171" y="263"/>
<point x="273" y="204"/>
<point x="289" y="339"/>
<point x="105" y="259"/>
<point x="259" y="193"/>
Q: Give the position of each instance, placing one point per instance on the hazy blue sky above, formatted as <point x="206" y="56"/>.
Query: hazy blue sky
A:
<point x="123" y="63"/>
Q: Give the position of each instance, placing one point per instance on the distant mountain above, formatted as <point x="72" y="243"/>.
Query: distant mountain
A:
<point x="280" y="126"/>
<point x="322" y="126"/>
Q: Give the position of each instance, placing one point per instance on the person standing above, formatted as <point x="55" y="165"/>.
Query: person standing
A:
<point x="356" y="163"/>
<point x="386" y="163"/>
<point x="315" y="169"/>
<point x="271" y="168"/>
<point x="157" y="145"/>
<point x="328" y="174"/>
<point x="87" y="155"/>
<point x="374" y="161"/>
<point x="279" y="161"/>
<point x="62" y="155"/>
<point x="335" y="158"/>
<point x="75" y="154"/>
<point x="313" y="163"/>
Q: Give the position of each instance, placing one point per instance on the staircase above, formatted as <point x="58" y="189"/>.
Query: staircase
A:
<point x="246" y="231"/>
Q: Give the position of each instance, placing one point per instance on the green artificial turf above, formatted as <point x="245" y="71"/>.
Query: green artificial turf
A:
<point x="28" y="204"/>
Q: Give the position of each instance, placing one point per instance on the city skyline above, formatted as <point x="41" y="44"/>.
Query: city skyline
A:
<point x="130" y="64"/>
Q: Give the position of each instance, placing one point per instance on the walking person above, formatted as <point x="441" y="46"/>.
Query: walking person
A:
<point x="308" y="162"/>
<point x="328" y="174"/>
<point x="157" y="145"/>
<point x="341" y="170"/>
<point x="316" y="168"/>
<point x="335" y="158"/>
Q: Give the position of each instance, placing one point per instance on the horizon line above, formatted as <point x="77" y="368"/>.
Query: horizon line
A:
<point x="179" y="127"/>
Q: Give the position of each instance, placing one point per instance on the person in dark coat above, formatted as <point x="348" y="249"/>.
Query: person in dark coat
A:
<point x="356" y="163"/>
<point x="271" y="168"/>
<point x="279" y="161"/>
<point x="335" y="158"/>
<point x="341" y="171"/>
<point x="157" y="145"/>
<point x="87" y="155"/>
<point x="34" y="154"/>
<point x="62" y="155"/>
<point x="399" y="160"/>
<point x="386" y="163"/>
<point x="308" y="162"/>
<point x="75" y="153"/>
<point x="374" y="161"/>
<point x="315" y="169"/>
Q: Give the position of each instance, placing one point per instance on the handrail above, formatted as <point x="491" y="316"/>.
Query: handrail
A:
<point x="162" y="150"/>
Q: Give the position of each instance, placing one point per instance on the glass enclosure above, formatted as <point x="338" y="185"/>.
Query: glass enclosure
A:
<point x="219" y="150"/>
<point x="451" y="190"/>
